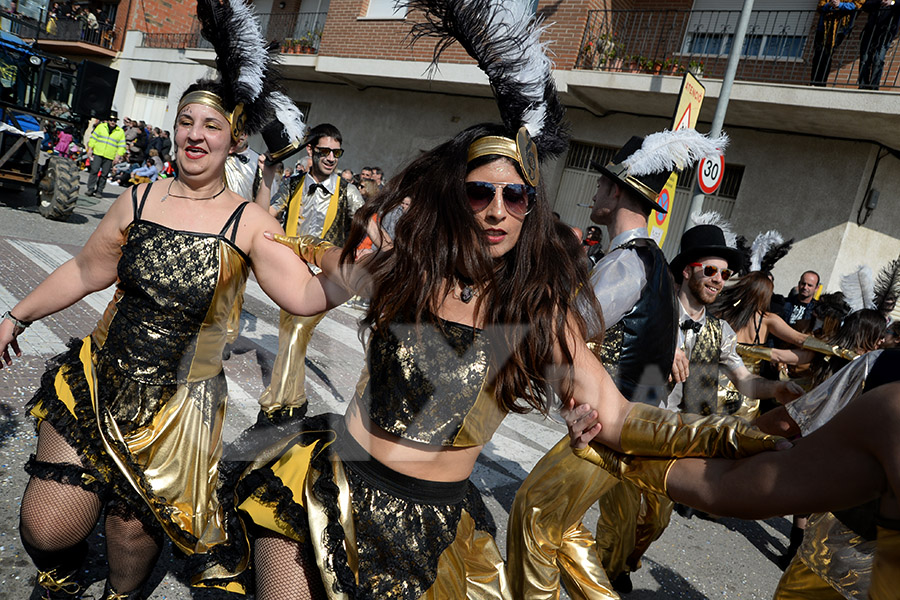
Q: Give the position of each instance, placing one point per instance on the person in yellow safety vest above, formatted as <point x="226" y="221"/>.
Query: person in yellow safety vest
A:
<point x="105" y="148"/>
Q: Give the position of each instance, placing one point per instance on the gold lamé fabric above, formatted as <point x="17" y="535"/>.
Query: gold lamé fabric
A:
<point x="700" y="390"/>
<point x="835" y="554"/>
<point x="886" y="568"/>
<point x="431" y="384"/>
<point x="395" y="547"/>
<point x="546" y="539"/>
<point x="610" y="350"/>
<point x="287" y="387"/>
<point x="153" y="371"/>
<point x="630" y="520"/>
<point x="799" y="582"/>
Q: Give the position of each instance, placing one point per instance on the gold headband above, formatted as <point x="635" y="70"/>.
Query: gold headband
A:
<point x="522" y="150"/>
<point x="236" y="118"/>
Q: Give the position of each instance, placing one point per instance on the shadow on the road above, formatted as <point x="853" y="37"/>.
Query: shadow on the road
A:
<point x="671" y="585"/>
<point x="768" y="545"/>
<point x="8" y="423"/>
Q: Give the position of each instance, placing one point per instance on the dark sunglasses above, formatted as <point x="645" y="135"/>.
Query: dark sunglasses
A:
<point x="324" y="151"/>
<point x="518" y="198"/>
<point x="710" y="270"/>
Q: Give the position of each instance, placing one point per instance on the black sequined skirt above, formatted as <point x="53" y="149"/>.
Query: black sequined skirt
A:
<point x="376" y="533"/>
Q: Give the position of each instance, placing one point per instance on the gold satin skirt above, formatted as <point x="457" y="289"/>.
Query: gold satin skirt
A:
<point x="300" y="487"/>
<point x="287" y="387"/>
<point x="546" y="539"/>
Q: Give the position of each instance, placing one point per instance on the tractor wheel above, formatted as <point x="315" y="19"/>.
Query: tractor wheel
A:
<point x="58" y="190"/>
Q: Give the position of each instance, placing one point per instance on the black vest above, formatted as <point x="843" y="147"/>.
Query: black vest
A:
<point x="638" y="350"/>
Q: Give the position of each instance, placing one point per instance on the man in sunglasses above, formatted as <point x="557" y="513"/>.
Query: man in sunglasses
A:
<point x="318" y="203"/>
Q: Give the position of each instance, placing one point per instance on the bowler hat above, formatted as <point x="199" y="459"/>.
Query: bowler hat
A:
<point x="704" y="240"/>
<point x="647" y="187"/>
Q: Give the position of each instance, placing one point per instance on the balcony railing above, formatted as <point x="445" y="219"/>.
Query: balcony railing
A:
<point x="65" y="30"/>
<point x="779" y="47"/>
<point x="295" y="33"/>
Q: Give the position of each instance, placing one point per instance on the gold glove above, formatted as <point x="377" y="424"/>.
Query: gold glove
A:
<point x="754" y="352"/>
<point x="651" y="431"/>
<point x="646" y="473"/>
<point x="817" y="345"/>
<point x="308" y="247"/>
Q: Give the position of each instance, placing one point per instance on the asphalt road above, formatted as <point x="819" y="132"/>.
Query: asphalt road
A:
<point x="695" y="559"/>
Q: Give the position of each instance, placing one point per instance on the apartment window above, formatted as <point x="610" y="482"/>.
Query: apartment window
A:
<point x="151" y="103"/>
<point x="385" y="9"/>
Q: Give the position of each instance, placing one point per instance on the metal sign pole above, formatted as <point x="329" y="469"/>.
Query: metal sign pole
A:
<point x="737" y="45"/>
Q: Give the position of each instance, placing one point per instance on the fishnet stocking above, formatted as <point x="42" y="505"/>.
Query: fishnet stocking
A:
<point x="286" y="570"/>
<point x="55" y="516"/>
<point x="131" y="549"/>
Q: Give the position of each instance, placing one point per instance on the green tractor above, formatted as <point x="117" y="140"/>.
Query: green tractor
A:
<point x="41" y="94"/>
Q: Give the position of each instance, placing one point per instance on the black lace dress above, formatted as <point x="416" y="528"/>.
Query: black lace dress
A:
<point x="143" y="398"/>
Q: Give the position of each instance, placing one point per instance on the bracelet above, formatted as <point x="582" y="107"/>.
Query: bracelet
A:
<point x="17" y="322"/>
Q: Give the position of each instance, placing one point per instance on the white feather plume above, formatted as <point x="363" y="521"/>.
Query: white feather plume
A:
<point x="249" y="40"/>
<point x="859" y="288"/>
<point x="762" y="244"/>
<point x="671" y="150"/>
<point x="713" y="218"/>
<point x="289" y="115"/>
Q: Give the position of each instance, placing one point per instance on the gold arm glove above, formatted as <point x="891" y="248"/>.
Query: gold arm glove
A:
<point x="308" y="247"/>
<point x="817" y="345"/>
<point x="646" y="473"/>
<point x="754" y="352"/>
<point x="651" y="431"/>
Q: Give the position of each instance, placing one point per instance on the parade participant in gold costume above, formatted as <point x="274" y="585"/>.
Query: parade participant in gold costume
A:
<point x="130" y="418"/>
<point x="853" y="433"/>
<point x="321" y="204"/>
<point x="475" y="311"/>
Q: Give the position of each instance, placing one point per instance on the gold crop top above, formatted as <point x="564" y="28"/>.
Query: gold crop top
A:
<point x="431" y="384"/>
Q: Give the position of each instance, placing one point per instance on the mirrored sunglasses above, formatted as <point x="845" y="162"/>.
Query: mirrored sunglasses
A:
<point x="710" y="270"/>
<point x="324" y="151"/>
<point x="518" y="198"/>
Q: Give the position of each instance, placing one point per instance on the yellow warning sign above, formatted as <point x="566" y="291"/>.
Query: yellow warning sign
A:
<point x="686" y="114"/>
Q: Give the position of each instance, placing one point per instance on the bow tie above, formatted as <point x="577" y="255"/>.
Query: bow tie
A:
<point x="314" y="186"/>
<point x="242" y="158"/>
<point x="692" y="325"/>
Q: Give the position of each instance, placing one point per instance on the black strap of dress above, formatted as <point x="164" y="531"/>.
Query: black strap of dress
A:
<point x="233" y="222"/>
<point x="758" y="325"/>
<point x="138" y="208"/>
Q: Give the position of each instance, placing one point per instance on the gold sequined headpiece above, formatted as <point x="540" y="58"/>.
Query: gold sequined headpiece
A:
<point x="236" y="118"/>
<point x="522" y="150"/>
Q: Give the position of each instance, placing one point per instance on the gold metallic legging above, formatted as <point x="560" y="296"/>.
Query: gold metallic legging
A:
<point x="546" y="538"/>
<point x="287" y="387"/>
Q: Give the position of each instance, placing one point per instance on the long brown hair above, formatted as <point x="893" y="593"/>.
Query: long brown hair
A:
<point x="530" y="295"/>
<point x="749" y="296"/>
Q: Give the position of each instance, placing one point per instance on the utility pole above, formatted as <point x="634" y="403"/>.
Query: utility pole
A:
<point x="737" y="46"/>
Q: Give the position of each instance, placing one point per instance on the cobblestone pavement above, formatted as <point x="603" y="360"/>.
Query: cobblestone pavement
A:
<point x="695" y="559"/>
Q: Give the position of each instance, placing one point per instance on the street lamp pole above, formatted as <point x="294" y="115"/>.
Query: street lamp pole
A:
<point x="734" y="57"/>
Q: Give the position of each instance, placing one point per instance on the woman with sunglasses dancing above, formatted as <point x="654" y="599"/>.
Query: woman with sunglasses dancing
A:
<point x="475" y="312"/>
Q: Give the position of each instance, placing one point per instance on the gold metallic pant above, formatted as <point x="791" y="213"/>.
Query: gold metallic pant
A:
<point x="799" y="582"/>
<point x="630" y="520"/>
<point x="287" y="387"/>
<point x="546" y="538"/>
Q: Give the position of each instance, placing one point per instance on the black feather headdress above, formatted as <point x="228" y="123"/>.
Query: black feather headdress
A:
<point x="503" y="37"/>
<point x="250" y="90"/>
<point x="887" y="286"/>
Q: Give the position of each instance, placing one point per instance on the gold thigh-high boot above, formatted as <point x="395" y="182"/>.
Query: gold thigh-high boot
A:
<point x="799" y="582"/>
<point x="545" y="532"/>
<point x="287" y="387"/>
<point x="616" y="527"/>
<point x="656" y="511"/>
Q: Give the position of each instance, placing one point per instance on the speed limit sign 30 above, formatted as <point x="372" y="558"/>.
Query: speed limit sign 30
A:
<point x="709" y="173"/>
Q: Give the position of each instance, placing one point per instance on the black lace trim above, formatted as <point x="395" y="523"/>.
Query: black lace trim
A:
<point x="68" y="474"/>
